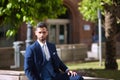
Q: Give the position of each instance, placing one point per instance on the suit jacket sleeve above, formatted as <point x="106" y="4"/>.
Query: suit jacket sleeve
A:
<point x="29" y="65"/>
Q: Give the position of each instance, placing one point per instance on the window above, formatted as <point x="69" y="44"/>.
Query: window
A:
<point x="4" y="41"/>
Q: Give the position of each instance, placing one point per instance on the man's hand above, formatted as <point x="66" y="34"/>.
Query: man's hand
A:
<point x="71" y="73"/>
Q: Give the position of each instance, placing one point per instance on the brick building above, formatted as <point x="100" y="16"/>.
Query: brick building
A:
<point x="69" y="28"/>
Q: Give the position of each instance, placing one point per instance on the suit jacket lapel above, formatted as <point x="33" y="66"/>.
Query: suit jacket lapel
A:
<point x="49" y="48"/>
<point x="39" y="51"/>
<point x="38" y="47"/>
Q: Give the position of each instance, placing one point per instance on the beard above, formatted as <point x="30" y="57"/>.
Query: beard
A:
<point x="42" y="39"/>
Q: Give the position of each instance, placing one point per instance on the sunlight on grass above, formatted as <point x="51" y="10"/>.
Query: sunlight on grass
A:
<point x="93" y="69"/>
<point x="88" y="65"/>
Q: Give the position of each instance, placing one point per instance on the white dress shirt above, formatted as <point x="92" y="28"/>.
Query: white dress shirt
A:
<point x="45" y="50"/>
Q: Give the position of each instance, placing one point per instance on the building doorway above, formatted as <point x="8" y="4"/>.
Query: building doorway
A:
<point x="58" y="30"/>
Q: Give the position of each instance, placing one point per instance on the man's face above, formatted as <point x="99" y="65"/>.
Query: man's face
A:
<point x="41" y="34"/>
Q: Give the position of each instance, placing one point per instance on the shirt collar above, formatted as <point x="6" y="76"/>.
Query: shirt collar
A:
<point x="41" y="44"/>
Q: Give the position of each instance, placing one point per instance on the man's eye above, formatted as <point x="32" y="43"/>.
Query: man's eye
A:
<point x="44" y="32"/>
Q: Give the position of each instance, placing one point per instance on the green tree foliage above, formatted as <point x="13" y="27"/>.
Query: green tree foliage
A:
<point x="89" y="8"/>
<point x="110" y="10"/>
<point x="15" y="12"/>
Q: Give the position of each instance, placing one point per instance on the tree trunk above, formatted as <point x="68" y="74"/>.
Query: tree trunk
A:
<point x="110" y="28"/>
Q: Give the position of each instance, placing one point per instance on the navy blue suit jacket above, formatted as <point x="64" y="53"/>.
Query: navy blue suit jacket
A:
<point x="34" y="61"/>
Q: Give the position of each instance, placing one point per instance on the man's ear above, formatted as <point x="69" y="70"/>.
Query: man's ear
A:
<point x="35" y="32"/>
<point x="47" y="32"/>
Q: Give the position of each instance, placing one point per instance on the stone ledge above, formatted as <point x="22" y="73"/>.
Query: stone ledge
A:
<point x="20" y="75"/>
<point x="12" y="75"/>
<point x="11" y="72"/>
<point x="94" y="78"/>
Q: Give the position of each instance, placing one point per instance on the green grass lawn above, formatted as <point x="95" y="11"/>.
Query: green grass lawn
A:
<point x="94" y="69"/>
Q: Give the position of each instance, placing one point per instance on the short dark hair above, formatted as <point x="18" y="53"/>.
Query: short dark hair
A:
<point x="41" y="25"/>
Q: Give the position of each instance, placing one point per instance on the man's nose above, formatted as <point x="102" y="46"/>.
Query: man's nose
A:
<point x="42" y="34"/>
